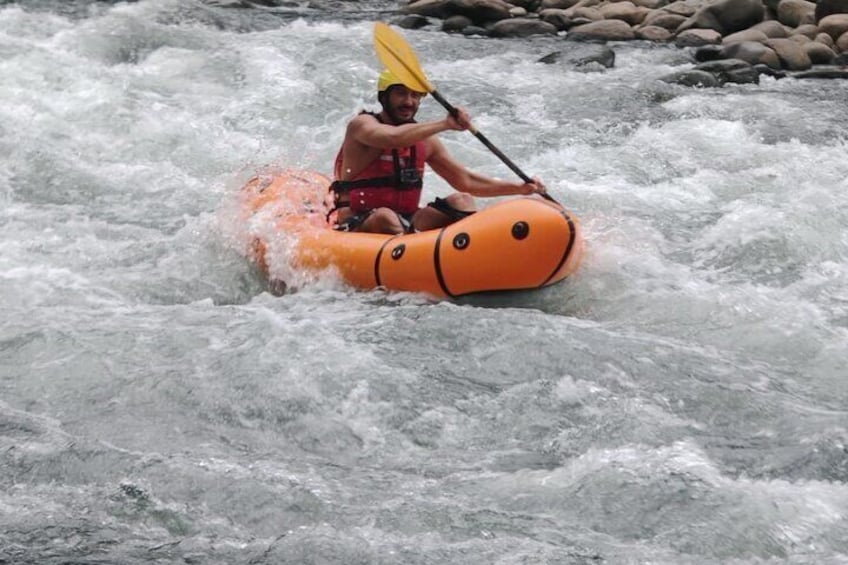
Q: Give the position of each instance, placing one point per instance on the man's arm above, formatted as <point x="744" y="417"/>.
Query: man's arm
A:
<point x="369" y="132"/>
<point x="366" y="137"/>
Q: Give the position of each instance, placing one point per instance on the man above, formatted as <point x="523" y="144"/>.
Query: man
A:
<point x="379" y="168"/>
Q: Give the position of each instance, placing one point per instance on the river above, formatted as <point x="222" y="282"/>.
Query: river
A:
<point x="680" y="400"/>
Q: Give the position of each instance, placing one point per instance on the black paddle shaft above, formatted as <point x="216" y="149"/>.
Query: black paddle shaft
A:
<point x="454" y="112"/>
<point x="507" y="161"/>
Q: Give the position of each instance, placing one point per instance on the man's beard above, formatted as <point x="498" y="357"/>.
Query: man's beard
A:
<point x="397" y="119"/>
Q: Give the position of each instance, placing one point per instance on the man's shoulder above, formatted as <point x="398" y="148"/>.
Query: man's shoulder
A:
<point x="365" y="115"/>
<point x="363" y="119"/>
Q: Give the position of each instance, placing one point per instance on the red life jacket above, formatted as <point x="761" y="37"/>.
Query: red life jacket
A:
<point x="393" y="180"/>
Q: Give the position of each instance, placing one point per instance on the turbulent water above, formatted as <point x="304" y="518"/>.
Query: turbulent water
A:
<point x="682" y="399"/>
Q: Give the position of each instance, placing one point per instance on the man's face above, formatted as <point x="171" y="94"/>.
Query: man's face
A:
<point x="401" y="103"/>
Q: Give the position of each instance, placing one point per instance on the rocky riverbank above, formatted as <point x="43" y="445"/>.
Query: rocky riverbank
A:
<point x="731" y="40"/>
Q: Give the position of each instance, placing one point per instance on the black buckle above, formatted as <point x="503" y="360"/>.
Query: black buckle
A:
<point x="409" y="176"/>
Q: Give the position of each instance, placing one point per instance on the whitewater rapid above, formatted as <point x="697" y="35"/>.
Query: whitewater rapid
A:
<point x="680" y="400"/>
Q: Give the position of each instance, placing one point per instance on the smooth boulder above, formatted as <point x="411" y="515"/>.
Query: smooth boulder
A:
<point x="792" y="56"/>
<point x="731" y="70"/>
<point x="819" y="53"/>
<point x="521" y="27"/>
<point x="693" y="77"/>
<point x="794" y="13"/>
<point x="664" y="19"/>
<point x="480" y="11"/>
<point x="580" y="55"/>
<point x="752" y="52"/>
<point x="653" y="33"/>
<point x="726" y="16"/>
<point x="697" y="38"/>
<point x="749" y="34"/>
<point x="605" y="30"/>
<point x="834" y="25"/>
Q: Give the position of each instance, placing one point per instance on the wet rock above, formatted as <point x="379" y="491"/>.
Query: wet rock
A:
<point x="807" y="30"/>
<point x="731" y="70"/>
<point x="792" y="56"/>
<point x="765" y="70"/>
<point x="746" y="75"/>
<point x="825" y="39"/>
<point x="653" y="33"/>
<point x="772" y="28"/>
<point x="587" y="14"/>
<point x="475" y="30"/>
<point x="796" y="12"/>
<point x="819" y="53"/>
<point x="479" y="11"/>
<point x="799" y="39"/>
<point x="749" y="34"/>
<point x="550" y="58"/>
<point x="697" y="38"/>
<point x="604" y="30"/>
<point x="842" y="42"/>
<point x="582" y="21"/>
<point x="584" y="9"/>
<point x="625" y="11"/>
<point x="651" y="4"/>
<point x="277" y="287"/>
<point x="726" y="16"/>
<point x="432" y="8"/>
<point x="753" y="53"/>
<point x="692" y="77"/>
<point x="681" y="8"/>
<point x="455" y="24"/>
<point x="557" y="17"/>
<point x="663" y="19"/>
<point x="585" y="4"/>
<point x="558" y="4"/>
<point x="521" y="27"/>
<point x="834" y="25"/>
<point x="601" y="55"/>
<point x="716" y="73"/>
<point x="580" y="55"/>
<point x="709" y="53"/>
<point x="482" y="10"/>
<point x="703" y="19"/>
<point x="413" y="21"/>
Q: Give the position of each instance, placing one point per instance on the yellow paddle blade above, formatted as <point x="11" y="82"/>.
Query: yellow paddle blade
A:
<point x="398" y="56"/>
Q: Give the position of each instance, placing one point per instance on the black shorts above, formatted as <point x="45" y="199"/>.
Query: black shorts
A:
<point x="454" y="215"/>
<point x="353" y="222"/>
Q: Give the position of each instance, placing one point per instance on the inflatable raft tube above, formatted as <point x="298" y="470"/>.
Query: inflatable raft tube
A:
<point x="519" y="244"/>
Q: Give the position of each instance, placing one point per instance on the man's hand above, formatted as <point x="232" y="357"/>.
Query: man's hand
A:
<point x="536" y="186"/>
<point x="460" y="122"/>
